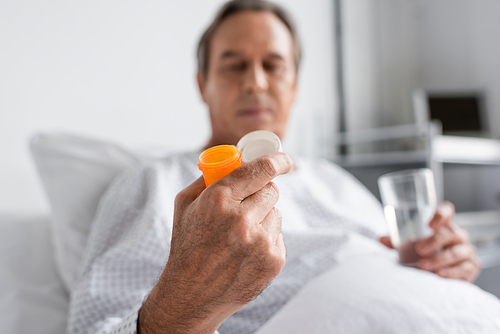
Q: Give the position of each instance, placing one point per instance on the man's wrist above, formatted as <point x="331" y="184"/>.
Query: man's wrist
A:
<point x="150" y="317"/>
<point x="153" y="318"/>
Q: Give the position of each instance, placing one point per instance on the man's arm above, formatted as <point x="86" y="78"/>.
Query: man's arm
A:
<point x="130" y="242"/>
<point x="226" y="248"/>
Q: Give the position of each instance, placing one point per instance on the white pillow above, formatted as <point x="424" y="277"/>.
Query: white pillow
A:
<point x="372" y="294"/>
<point x="75" y="172"/>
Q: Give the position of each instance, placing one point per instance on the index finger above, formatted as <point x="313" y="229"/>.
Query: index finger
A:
<point x="444" y="213"/>
<point x="254" y="175"/>
<point x="444" y="237"/>
<point x="190" y="193"/>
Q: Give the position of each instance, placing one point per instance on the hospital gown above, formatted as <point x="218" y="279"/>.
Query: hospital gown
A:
<point x="327" y="216"/>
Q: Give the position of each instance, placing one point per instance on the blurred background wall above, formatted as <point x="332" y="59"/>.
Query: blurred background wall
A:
<point x="125" y="71"/>
<point x="395" y="46"/>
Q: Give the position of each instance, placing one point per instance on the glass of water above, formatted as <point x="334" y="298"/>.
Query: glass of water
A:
<point x="410" y="201"/>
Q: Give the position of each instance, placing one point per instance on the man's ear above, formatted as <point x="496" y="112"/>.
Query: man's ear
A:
<point x="201" y="85"/>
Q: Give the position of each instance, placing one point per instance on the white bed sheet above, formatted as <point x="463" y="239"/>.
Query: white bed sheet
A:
<point x="374" y="295"/>
<point x="32" y="297"/>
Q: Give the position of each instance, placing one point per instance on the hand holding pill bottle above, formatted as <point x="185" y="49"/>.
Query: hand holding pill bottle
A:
<point x="218" y="161"/>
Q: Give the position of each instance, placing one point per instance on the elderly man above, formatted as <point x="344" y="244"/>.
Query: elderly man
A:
<point x="204" y="264"/>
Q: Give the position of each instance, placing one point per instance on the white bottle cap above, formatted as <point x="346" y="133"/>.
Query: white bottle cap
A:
<point x="257" y="143"/>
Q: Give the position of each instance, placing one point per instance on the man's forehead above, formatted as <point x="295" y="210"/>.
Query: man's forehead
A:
<point x="249" y="32"/>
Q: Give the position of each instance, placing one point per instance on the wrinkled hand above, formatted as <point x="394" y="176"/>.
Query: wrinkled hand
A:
<point x="226" y="248"/>
<point x="448" y="252"/>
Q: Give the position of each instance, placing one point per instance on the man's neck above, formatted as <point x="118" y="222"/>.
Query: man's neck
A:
<point x="214" y="141"/>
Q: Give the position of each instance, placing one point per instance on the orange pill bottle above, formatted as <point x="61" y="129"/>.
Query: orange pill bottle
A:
<point x="218" y="161"/>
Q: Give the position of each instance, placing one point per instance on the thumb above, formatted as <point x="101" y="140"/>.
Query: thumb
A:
<point x="386" y="241"/>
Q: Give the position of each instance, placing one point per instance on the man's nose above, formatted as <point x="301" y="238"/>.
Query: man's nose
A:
<point x="255" y="80"/>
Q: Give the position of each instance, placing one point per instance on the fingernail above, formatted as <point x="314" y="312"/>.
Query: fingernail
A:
<point x="444" y="210"/>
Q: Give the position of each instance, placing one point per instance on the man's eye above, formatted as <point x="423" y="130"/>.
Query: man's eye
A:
<point x="236" y="67"/>
<point x="271" y="67"/>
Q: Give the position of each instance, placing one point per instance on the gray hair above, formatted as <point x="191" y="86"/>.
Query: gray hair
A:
<point x="236" y="6"/>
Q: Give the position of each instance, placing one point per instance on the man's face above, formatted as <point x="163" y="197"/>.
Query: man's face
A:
<point x="251" y="79"/>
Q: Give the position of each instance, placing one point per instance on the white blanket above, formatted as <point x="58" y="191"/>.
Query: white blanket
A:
<point x="32" y="298"/>
<point x="372" y="294"/>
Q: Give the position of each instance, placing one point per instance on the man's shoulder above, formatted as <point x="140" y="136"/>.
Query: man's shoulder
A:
<point x="169" y="163"/>
<point x="318" y="165"/>
<point x="330" y="174"/>
<point x="176" y="169"/>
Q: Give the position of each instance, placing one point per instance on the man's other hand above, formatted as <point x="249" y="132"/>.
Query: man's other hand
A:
<point x="226" y="248"/>
<point x="448" y="252"/>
